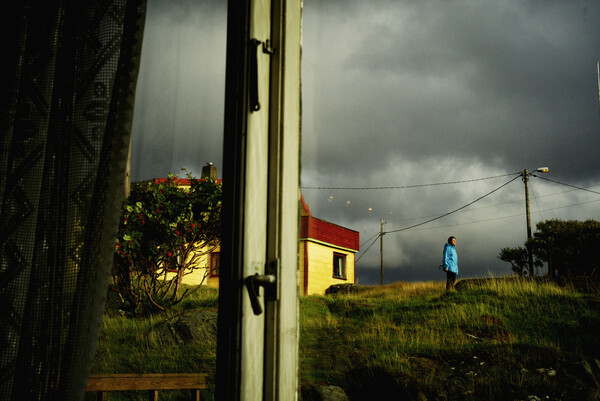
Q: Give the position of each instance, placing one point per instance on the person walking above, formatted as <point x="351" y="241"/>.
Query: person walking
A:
<point x="450" y="263"/>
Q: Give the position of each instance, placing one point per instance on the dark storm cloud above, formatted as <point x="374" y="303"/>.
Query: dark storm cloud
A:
<point x="500" y="82"/>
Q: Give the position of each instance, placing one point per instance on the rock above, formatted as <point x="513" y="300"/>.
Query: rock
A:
<point x="342" y="289"/>
<point x="332" y="393"/>
<point x="196" y="326"/>
<point x="323" y="393"/>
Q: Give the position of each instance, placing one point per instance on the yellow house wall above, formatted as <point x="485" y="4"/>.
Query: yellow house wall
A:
<point x="199" y="274"/>
<point x="320" y="267"/>
<point x="301" y="266"/>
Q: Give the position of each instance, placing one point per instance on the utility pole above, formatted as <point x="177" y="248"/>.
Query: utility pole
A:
<point x="525" y="175"/>
<point x="598" y="72"/>
<point x="381" y="250"/>
<point x="529" y="253"/>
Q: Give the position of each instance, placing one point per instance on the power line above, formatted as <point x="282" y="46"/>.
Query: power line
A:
<point x="482" y="207"/>
<point x="454" y="211"/>
<point x="430" y="220"/>
<point x="474" y="222"/>
<point x="535" y="198"/>
<point x="568" y="185"/>
<point x="504" y="203"/>
<point x="508" y="217"/>
<point x="376" y="234"/>
<point x="369" y="247"/>
<point x="574" y="204"/>
<point x="412" y="186"/>
<point x="436" y="218"/>
<point x="470" y="210"/>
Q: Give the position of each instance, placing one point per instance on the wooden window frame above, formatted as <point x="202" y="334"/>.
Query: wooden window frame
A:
<point x="343" y="257"/>
<point x="211" y="264"/>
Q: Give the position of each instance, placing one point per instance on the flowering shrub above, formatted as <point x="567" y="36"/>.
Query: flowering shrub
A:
<point x="165" y="229"/>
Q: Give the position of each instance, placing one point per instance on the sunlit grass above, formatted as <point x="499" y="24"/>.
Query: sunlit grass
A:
<point x="415" y="333"/>
<point x="494" y="340"/>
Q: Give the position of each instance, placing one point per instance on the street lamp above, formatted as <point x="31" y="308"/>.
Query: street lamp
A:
<point x="525" y="175"/>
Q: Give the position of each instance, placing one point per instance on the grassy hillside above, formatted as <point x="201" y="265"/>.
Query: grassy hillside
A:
<point x="499" y="341"/>
<point x="496" y="341"/>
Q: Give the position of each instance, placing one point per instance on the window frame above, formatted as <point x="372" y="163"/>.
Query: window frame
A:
<point x="211" y="264"/>
<point x="257" y="352"/>
<point x="343" y="257"/>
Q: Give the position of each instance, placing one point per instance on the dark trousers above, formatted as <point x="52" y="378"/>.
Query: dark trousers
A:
<point x="450" y="279"/>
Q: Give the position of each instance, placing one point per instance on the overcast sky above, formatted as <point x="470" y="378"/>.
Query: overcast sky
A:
<point x="404" y="93"/>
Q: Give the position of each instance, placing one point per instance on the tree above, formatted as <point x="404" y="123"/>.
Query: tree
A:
<point x="165" y="229"/>
<point x="517" y="257"/>
<point x="569" y="247"/>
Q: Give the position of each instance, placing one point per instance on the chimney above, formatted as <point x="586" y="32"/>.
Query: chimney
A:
<point x="209" y="172"/>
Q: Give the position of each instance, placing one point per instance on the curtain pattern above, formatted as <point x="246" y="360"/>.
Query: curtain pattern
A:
<point x="66" y="122"/>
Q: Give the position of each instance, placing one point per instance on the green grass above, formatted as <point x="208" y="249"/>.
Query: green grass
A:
<point x="503" y="340"/>
<point x="125" y="347"/>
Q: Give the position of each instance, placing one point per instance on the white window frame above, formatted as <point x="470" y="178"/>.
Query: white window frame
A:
<point x="257" y="354"/>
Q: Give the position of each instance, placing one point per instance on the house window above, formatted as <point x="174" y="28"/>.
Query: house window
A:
<point x="339" y="265"/>
<point x="215" y="263"/>
<point x="173" y="263"/>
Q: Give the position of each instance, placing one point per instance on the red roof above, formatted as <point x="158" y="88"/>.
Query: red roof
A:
<point x="324" y="231"/>
<point x="305" y="210"/>
<point x="179" y="181"/>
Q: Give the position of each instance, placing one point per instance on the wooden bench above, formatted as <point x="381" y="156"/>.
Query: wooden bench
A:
<point x="152" y="382"/>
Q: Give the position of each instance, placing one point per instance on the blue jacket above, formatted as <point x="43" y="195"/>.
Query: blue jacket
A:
<point x="450" y="258"/>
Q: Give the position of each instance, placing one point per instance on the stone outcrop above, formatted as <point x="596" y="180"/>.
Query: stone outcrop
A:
<point x="343" y="289"/>
<point x="323" y="393"/>
<point x="196" y="326"/>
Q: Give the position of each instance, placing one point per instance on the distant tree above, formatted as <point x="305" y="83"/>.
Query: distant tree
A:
<point x="164" y="230"/>
<point x="518" y="259"/>
<point x="571" y="248"/>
